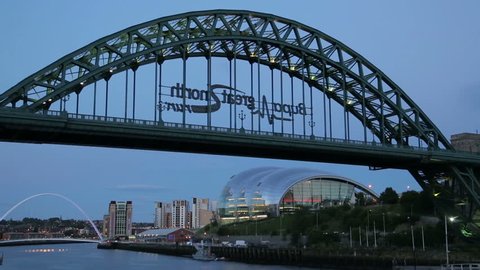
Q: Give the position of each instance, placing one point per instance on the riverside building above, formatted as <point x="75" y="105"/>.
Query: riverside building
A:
<point x="180" y="214"/>
<point x="201" y="213"/>
<point x="119" y="219"/>
<point x="183" y="214"/>
<point x="163" y="215"/>
<point x="272" y="191"/>
<point x="468" y="142"/>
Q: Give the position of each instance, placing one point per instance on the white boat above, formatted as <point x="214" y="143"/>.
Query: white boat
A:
<point x="200" y="255"/>
<point x="204" y="253"/>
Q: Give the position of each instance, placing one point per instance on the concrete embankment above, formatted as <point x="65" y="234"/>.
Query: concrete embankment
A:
<point x="263" y="255"/>
<point x="301" y="257"/>
<point x="172" y="250"/>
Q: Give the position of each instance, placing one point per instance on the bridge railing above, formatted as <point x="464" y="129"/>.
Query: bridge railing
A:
<point x="238" y="131"/>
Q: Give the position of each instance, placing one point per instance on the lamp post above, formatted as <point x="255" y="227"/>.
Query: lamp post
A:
<point x="366" y="235"/>
<point x="413" y="241"/>
<point x="413" y="237"/>
<point x="281" y="217"/>
<point x="242" y="117"/>
<point x="350" y="236"/>
<point x="64" y="100"/>
<point x="360" y="235"/>
<point x="446" y="240"/>
<point x="423" y="240"/>
<point x="383" y="217"/>
<point x="446" y="236"/>
<point x="368" y="225"/>
<point x="311" y="123"/>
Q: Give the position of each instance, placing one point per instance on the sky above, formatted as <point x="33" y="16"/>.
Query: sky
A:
<point x="428" y="48"/>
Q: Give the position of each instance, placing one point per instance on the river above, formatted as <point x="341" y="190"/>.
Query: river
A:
<point x="88" y="257"/>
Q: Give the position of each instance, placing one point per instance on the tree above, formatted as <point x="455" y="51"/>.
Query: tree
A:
<point x="360" y="198"/>
<point x="302" y="219"/>
<point x="424" y="203"/>
<point x="408" y="199"/>
<point x="389" y="196"/>
<point x="224" y="230"/>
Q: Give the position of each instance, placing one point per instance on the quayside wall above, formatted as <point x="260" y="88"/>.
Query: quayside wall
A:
<point x="274" y="256"/>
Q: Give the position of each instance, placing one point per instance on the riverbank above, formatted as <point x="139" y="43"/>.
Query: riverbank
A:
<point x="278" y="256"/>
<point x="173" y="250"/>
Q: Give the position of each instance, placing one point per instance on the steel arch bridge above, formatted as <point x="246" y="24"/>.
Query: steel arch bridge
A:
<point x="238" y="83"/>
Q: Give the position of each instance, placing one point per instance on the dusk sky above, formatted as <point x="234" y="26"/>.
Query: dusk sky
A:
<point x="429" y="48"/>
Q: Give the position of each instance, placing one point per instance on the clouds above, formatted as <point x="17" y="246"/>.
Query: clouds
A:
<point x="470" y="95"/>
<point x="139" y="188"/>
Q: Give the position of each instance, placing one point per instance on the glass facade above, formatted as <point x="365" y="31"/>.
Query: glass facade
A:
<point x="317" y="193"/>
<point x="270" y="191"/>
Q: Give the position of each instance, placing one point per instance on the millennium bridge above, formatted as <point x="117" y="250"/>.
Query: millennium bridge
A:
<point x="239" y="83"/>
<point x="45" y="241"/>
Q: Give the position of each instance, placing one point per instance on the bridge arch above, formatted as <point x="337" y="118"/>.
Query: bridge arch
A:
<point x="317" y="59"/>
<point x="58" y="196"/>
<point x="336" y="72"/>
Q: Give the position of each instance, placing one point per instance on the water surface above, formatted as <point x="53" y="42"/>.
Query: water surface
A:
<point x="88" y="257"/>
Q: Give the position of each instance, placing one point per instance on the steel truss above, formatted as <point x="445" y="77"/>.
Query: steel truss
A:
<point x="322" y="62"/>
<point x="301" y="51"/>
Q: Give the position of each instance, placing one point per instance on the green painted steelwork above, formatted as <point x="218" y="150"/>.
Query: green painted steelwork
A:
<point x="355" y="83"/>
<point x="317" y="59"/>
<point x="80" y="129"/>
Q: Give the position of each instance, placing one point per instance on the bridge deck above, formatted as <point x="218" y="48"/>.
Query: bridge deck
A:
<point x="78" y="129"/>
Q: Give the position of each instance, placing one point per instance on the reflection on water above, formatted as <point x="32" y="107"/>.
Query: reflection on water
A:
<point x="88" y="257"/>
<point x="45" y="250"/>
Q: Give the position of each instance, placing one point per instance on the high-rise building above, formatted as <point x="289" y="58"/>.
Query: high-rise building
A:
<point x="163" y="215"/>
<point x="106" y="225"/>
<point x="201" y="213"/>
<point x="180" y="214"/>
<point x="120" y="219"/>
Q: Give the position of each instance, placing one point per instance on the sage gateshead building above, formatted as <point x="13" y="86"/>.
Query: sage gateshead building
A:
<point x="271" y="191"/>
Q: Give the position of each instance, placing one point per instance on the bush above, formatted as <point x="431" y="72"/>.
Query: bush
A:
<point x="224" y="230"/>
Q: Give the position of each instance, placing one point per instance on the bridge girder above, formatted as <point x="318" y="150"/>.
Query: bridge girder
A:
<point x="315" y="58"/>
<point x="299" y="50"/>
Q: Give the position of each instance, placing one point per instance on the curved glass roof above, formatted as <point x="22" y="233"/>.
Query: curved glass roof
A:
<point x="273" y="182"/>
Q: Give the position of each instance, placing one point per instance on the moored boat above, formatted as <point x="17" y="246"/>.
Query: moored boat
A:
<point x="204" y="253"/>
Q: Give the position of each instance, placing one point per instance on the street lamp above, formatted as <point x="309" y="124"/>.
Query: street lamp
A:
<point x="311" y="123"/>
<point x="360" y="235"/>
<point x="64" y="100"/>
<point x="350" y="236"/>
<point x="242" y="117"/>
<point x="281" y="217"/>
<point x="368" y="225"/>
<point x="383" y="218"/>
<point x="413" y="242"/>
<point x="423" y="240"/>
<point x="451" y="219"/>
